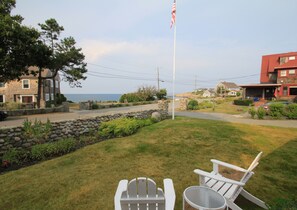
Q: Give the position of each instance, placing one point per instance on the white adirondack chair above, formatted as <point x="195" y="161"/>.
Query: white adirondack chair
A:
<point x="142" y="194"/>
<point x="230" y="188"/>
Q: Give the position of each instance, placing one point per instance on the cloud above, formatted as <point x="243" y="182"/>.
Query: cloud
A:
<point x="94" y="50"/>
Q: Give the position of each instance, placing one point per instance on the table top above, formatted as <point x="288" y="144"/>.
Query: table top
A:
<point x="204" y="197"/>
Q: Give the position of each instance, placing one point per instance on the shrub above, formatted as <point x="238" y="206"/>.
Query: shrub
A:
<point x="290" y="111"/>
<point x="205" y="105"/>
<point x="220" y="101"/>
<point x="14" y="156"/>
<point x="60" y="98"/>
<point x="122" y="127"/>
<point x="130" y="97"/>
<point x="192" y="105"/>
<point x="37" y="130"/>
<point x="276" y="110"/>
<point x="243" y="102"/>
<point x="95" y="106"/>
<point x="261" y="113"/>
<point x="43" y="151"/>
<point x="252" y="112"/>
<point x="161" y="94"/>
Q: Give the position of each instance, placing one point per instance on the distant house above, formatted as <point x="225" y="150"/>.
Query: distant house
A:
<point x="25" y="90"/>
<point x="208" y="93"/>
<point x="227" y="88"/>
<point x="278" y="77"/>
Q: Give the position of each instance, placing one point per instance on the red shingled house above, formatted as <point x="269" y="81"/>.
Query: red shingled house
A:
<point x="278" y="77"/>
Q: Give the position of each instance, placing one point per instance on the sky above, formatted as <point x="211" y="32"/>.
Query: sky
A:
<point x="125" y="43"/>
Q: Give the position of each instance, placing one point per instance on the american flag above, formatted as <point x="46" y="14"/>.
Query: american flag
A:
<point x="173" y="13"/>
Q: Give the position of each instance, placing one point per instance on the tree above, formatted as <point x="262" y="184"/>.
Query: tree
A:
<point x="16" y="43"/>
<point x="161" y="94"/>
<point x="147" y="93"/>
<point x="65" y="59"/>
<point x="51" y="31"/>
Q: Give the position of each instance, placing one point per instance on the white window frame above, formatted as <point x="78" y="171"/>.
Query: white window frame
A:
<point x="283" y="73"/>
<point x="3" y="98"/>
<point x="292" y="71"/>
<point x="292" y="58"/>
<point x="23" y="83"/>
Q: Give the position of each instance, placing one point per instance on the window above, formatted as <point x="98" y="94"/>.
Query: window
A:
<point x="26" y="84"/>
<point x="283" y="73"/>
<point x="292" y="71"/>
<point x="293" y="91"/>
<point x="57" y="84"/>
<point x="291" y="58"/>
<point x="27" y="99"/>
<point x="52" y="84"/>
<point x="2" y="99"/>
<point x="46" y="97"/>
<point x="283" y="60"/>
<point x="2" y="84"/>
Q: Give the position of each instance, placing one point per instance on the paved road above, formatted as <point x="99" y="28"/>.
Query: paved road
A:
<point x="76" y="114"/>
<point x="73" y="114"/>
<point x="238" y="119"/>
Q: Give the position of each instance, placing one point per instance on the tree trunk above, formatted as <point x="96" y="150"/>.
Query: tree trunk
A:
<point x="39" y="88"/>
<point x="54" y="91"/>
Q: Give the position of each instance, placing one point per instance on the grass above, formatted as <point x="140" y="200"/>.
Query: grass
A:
<point x="88" y="178"/>
<point x="227" y="107"/>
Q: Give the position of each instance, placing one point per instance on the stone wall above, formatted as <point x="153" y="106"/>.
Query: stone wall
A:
<point x="15" y="138"/>
<point x="183" y="104"/>
<point x="63" y="108"/>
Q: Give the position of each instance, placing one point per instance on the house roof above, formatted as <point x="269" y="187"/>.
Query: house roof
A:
<point x="44" y="73"/>
<point x="270" y="63"/>
<point x="260" y="85"/>
<point x="229" y="84"/>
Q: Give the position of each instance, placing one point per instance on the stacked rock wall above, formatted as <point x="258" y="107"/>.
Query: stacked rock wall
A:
<point x="15" y="138"/>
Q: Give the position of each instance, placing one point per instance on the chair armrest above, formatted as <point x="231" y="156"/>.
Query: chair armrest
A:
<point x="169" y="194"/>
<point x="123" y="184"/>
<point x="228" y="165"/>
<point x="218" y="178"/>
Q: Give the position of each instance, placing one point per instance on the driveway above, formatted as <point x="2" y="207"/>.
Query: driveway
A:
<point x="73" y="114"/>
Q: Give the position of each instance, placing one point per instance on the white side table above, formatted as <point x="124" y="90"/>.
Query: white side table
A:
<point x="202" y="198"/>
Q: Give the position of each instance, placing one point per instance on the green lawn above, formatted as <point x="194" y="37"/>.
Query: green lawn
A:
<point x="227" y="107"/>
<point x="88" y="178"/>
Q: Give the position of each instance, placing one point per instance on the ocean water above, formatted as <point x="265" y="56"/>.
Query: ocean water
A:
<point x="92" y="97"/>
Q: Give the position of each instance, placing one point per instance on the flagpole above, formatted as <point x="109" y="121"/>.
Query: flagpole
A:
<point x="173" y="77"/>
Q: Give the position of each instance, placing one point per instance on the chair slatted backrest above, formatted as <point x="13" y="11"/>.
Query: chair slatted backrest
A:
<point x="142" y="194"/>
<point x="253" y="165"/>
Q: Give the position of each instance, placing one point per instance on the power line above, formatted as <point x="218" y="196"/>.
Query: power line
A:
<point x="108" y="75"/>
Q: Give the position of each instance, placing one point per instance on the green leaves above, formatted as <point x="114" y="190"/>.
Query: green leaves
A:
<point x="16" y="43"/>
<point x="122" y="127"/>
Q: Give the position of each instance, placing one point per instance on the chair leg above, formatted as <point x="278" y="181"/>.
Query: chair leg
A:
<point x="232" y="205"/>
<point x="253" y="199"/>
